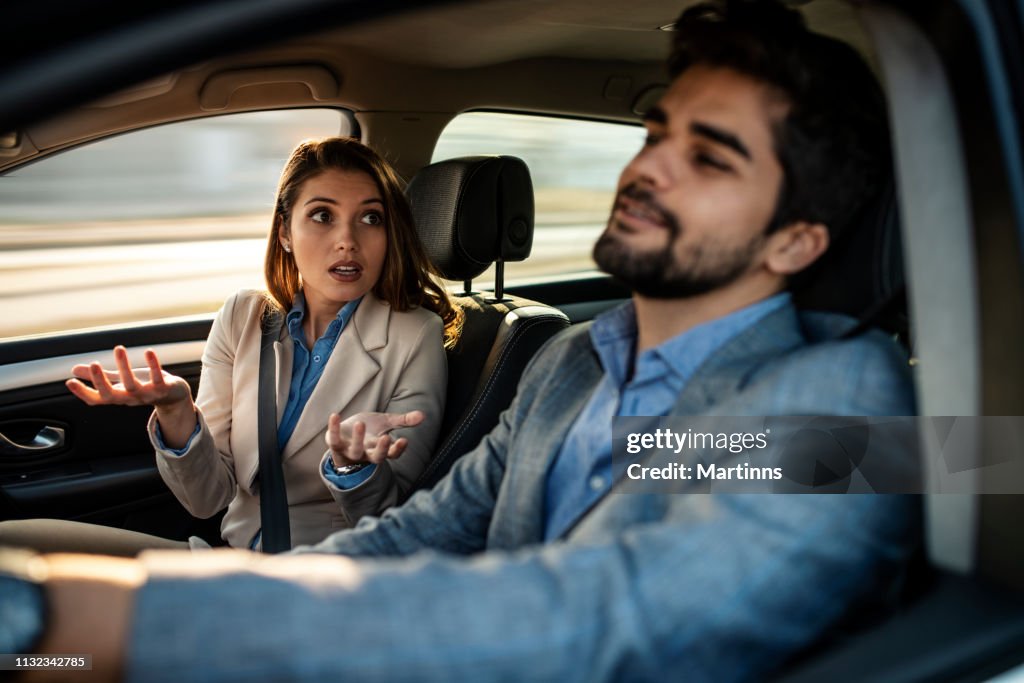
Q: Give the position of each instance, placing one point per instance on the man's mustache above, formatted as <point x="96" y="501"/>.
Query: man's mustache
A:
<point x="639" y="195"/>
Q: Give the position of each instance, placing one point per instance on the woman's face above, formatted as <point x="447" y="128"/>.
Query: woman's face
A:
<point x="337" y="236"/>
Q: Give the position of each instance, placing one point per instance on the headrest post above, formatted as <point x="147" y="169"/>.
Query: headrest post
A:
<point x="499" y="280"/>
<point x="467" y="286"/>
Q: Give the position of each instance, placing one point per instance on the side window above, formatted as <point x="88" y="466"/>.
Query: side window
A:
<point x="155" y="223"/>
<point x="575" y="166"/>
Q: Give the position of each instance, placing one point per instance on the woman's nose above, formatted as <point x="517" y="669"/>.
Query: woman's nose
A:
<point x="345" y="239"/>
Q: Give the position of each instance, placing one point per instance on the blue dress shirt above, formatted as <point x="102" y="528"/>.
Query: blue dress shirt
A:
<point x="582" y="471"/>
<point x="308" y="365"/>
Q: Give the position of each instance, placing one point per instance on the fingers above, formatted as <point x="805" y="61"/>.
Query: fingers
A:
<point x="357" y="448"/>
<point x="101" y="383"/>
<point x="345" y="450"/>
<point x="86" y="394"/>
<point x="350" y="442"/>
<point x="156" y="373"/>
<point x="398" y="448"/>
<point x="122" y="386"/>
<point x="128" y="378"/>
<point x="386" y="449"/>
<point x="83" y="372"/>
<point x="336" y="442"/>
<point x="410" y="419"/>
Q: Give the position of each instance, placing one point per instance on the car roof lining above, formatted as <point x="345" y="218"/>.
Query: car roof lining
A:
<point x="405" y="63"/>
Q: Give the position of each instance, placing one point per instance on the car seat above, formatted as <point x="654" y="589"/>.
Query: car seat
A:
<point x="472" y="212"/>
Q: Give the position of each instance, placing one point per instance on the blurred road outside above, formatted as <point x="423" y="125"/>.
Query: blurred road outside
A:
<point x="70" y="276"/>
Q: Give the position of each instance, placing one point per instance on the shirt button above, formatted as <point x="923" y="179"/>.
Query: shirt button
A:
<point x="316" y="359"/>
<point x="596" y="483"/>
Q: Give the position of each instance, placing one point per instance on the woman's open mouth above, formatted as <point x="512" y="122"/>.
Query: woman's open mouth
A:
<point x="347" y="271"/>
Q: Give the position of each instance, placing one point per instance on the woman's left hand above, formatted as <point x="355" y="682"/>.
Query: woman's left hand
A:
<point x="365" y="437"/>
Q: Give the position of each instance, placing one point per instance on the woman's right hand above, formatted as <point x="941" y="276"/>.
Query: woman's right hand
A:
<point x="366" y="437"/>
<point x="127" y="387"/>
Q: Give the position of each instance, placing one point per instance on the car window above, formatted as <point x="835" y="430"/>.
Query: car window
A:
<point x="575" y="166"/>
<point x="156" y="223"/>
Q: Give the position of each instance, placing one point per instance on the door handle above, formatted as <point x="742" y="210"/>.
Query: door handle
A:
<point x="46" y="440"/>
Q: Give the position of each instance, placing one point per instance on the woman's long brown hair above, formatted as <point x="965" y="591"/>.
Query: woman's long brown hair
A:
<point x="407" y="279"/>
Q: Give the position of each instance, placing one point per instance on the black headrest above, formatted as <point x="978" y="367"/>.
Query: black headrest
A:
<point x="862" y="272"/>
<point x="473" y="211"/>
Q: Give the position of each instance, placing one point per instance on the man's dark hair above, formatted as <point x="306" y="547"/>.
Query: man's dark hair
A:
<point x="833" y="143"/>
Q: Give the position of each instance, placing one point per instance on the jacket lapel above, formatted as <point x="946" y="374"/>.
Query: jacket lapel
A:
<point x="721" y="376"/>
<point x="347" y="371"/>
<point x="521" y="512"/>
<point x="725" y="372"/>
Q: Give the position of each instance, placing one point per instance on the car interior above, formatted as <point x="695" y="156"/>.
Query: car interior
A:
<point x="938" y="262"/>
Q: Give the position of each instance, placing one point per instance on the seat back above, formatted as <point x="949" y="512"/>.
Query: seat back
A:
<point x="471" y="212"/>
<point x="861" y="274"/>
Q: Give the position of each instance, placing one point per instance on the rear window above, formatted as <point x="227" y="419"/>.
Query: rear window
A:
<point x="575" y="166"/>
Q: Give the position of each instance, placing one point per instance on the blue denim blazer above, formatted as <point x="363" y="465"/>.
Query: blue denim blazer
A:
<point x="457" y="585"/>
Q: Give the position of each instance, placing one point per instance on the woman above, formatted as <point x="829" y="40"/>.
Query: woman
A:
<point x="365" y="326"/>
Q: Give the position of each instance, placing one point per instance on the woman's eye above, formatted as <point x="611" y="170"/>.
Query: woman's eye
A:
<point x="373" y="218"/>
<point x="651" y="139"/>
<point x="321" y="216"/>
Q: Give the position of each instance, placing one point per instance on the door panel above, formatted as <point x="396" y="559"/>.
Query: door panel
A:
<point x="105" y="471"/>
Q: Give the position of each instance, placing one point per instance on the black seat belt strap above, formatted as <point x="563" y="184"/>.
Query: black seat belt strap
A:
<point x="276" y="535"/>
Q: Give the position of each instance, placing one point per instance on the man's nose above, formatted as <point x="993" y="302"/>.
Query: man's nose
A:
<point x="652" y="168"/>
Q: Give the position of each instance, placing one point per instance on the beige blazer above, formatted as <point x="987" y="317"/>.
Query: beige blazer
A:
<point x="384" y="360"/>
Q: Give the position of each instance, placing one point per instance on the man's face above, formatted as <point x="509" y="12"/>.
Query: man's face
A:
<point x="693" y="205"/>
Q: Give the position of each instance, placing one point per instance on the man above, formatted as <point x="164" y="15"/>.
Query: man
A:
<point x="519" y="565"/>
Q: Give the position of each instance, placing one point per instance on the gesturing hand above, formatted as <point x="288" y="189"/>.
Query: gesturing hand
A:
<point x="365" y="437"/>
<point x="127" y="387"/>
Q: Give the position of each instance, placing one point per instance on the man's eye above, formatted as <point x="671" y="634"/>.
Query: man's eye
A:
<point x="373" y="218"/>
<point x="651" y="139"/>
<point x="705" y="159"/>
<point x="321" y="216"/>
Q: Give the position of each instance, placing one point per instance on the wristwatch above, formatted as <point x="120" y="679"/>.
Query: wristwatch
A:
<point x="22" y="602"/>
<point x="350" y="469"/>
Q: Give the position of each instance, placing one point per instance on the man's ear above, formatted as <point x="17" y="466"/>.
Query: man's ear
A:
<point x="795" y="247"/>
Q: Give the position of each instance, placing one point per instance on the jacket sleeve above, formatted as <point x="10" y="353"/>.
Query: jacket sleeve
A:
<point x="203" y="477"/>
<point x="727" y="594"/>
<point x="422" y="386"/>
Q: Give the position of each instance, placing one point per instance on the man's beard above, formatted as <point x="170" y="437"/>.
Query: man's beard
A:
<point x="706" y="266"/>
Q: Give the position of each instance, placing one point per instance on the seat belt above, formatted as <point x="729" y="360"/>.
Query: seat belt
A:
<point x="276" y="534"/>
<point x="875" y="313"/>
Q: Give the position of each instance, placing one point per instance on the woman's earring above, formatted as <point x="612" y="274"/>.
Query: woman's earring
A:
<point x="288" y="248"/>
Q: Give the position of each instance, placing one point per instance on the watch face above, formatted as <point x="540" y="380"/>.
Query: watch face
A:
<point x="22" y="614"/>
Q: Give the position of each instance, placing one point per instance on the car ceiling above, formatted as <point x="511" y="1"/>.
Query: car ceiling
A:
<point x="487" y="33"/>
<point x="589" y="58"/>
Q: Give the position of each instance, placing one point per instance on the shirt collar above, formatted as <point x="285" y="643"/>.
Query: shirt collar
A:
<point x="295" y="316"/>
<point x="298" y="313"/>
<point x="614" y="337"/>
<point x="685" y="352"/>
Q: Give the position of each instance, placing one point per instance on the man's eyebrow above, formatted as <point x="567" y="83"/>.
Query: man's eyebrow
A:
<point x="656" y="115"/>
<point x="721" y="137"/>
